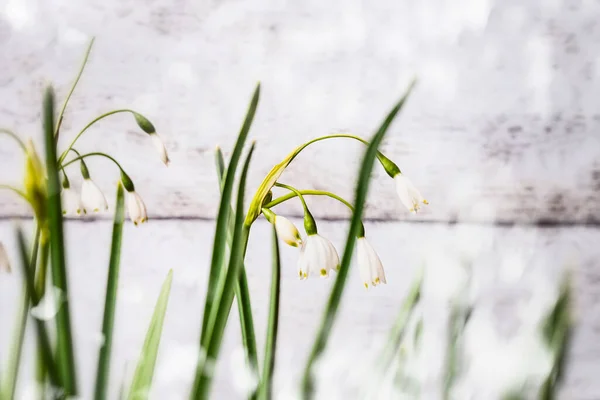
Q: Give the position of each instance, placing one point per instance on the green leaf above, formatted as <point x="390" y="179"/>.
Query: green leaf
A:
<point x="217" y="323"/>
<point x="108" y="321"/>
<point x="64" y="348"/>
<point x="43" y="339"/>
<point x="242" y="293"/>
<point x="265" y="388"/>
<point x="355" y="225"/>
<point x="218" y="255"/>
<point x="9" y="382"/>
<point x="142" y="379"/>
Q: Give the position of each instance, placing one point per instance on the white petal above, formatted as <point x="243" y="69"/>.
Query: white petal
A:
<point x="371" y="268"/>
<point x="410" y="197"/>
<point x="142" y="207"/>
<point x="287" y="231"/>
<point x="133" y="208"/>
<point x="4" y="261"/>
<point x="49" y="305"/>
<point x="71" y="202"/>
<point x="160" y="147"/>
<point x="92" y="197"/>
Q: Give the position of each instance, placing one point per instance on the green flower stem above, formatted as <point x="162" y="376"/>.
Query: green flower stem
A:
<point x="293" y="194"/>
<point x="64" y="153"/>
<point x="257" y="201"/>
<point x="15" y="137"/>
<point x="64" y="106"/>
<point x="309" y="222"/>
<point x="97" y="153"/>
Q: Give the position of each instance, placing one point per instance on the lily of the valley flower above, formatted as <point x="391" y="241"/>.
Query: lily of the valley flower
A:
<point x="318" y="256"/>
<point x="409" y="195"/>
<point x="4" y="262"/>
<point x="71" y="201"/>
<point x="136" y="208"/>
<point x="287" y="231"/>
<point x="92" y="198"/>
<point x="160" y="147"/>
<point x="371" y="269"/>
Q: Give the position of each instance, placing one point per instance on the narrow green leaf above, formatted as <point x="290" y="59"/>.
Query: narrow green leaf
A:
<point x="272" y="325"/>
<point x="242" y="293"/>
<point x="40" y="287"/>
<point x="355" y="225"/>
<point x="218" y="321"/>
<point x="64" y="348"/>
<point x="110" y="300"/>
<point x="11" y="375"/>
<point x="218" y="255"/>
<point x="142" y="379"/>
<point x="42" y="334"/>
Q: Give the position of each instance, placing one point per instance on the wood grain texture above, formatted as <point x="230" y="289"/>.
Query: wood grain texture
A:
<point x="502" y="127"/>
<point x="514" y="273"/>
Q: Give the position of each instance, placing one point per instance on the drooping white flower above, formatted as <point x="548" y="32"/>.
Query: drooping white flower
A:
<point x="71" y="202"/>
<point x="49" y="305"/>
<point x="160" y="147"/>
<point x="317" y="257"/>
<point x="287" y="231"/>
<point x="136" y="208"/>
<point x="409" y="195"/>
<point x="371" y="269"/>
<point x="92" y="198"/>
<point x="4" y="261"/>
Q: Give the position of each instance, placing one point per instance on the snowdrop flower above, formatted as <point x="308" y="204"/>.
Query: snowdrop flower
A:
<point x="317" y="256"/>
<point x="287" y="231"/>
<point x="409" y="195"/>
<point x="371" y="269"/>
<point x="4" y="262"/>
<point x="160" y="147"/>
<point x="92" y="198"/>
<point x="71" y="202"/>
<point x="136" y="208"/>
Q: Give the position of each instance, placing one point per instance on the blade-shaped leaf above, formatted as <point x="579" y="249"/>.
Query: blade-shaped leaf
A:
<point x="64" y="347"/>
<point x="144" y="372"/>
<point x="215" y="331"/>
<point x="272" y="324"/>
<point x="218" y="255"/>
<point x="355" y="225"/>
<point x="102" y="373"/>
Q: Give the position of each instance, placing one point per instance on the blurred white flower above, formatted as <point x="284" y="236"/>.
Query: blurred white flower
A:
<point x="4" y="261"/>
<point x="71" y="202"/>
<point x="287" y="231"/>
<point x="410" y="197"/>
<point x="136" y="208"/>
<point x="92" y="198"/>
<point x="49" y="305"/>
<point x="317" y="256"/>
<point x="160" y="147"/>
<point x="371" y="269"/>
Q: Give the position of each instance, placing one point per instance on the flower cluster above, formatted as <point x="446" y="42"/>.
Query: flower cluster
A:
<point x="318" y="256"/>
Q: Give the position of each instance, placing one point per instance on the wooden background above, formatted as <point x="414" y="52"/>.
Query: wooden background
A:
<point x="501" y="135"/>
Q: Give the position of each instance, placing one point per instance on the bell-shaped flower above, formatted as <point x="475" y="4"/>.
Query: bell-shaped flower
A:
<point x="160" y="147"/>
<point x="4" y="261"/>
<point x="92" y="198"/>
<point x="318" y="256"/>
<point x="136" y="208"/>
<point x="410" y="197"/>
<point x="287" y="231"/>
<point x="71" y="202"/>
<point x="371" y="269"/>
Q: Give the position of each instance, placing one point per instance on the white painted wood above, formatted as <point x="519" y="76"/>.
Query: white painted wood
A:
<point x="514" y="272"/>
<point x="502" y="127"/>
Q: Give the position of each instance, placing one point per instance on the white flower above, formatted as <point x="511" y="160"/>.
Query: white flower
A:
<point x="371" y="269"/>
<point x="71" y="202"/>
<point x="287" y="231"/>
<point x="160" y="147"/>
<point x="4" y="262"/>
<point x="92" y="198"/>
<point x="136" y="208"/>
<point x="409" y="195"/>
<point x="317" y="256"/>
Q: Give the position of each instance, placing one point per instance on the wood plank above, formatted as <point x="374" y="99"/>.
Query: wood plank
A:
<point x="514" y="270"/>
<point x="503" y="125"/>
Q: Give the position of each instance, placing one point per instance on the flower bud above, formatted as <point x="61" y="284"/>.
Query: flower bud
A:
<point x="144" y="123"/>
